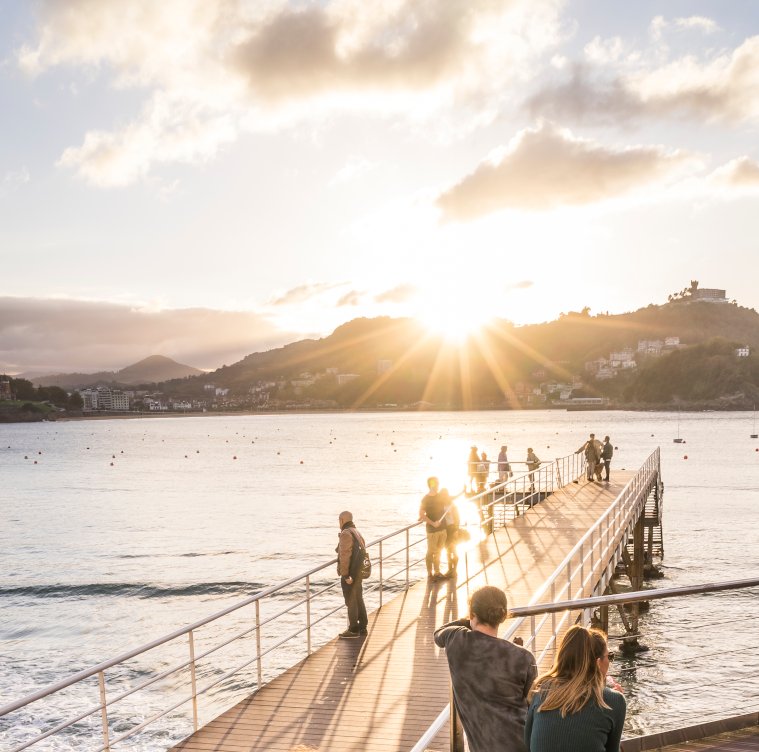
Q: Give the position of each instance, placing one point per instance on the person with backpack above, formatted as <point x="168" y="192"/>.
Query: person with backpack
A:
<point x="351" y="552"/>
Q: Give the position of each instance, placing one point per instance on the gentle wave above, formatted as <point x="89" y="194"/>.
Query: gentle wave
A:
<point x="135" y="590"/>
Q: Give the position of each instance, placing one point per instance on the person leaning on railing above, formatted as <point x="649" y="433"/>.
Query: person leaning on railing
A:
<point x="490" y="677"/>
<point x="572" y="709"/>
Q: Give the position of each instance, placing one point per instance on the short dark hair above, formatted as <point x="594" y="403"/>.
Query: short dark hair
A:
<point x="489" y="605"/>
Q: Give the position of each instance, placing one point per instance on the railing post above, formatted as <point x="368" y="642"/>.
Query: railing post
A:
<point x="308" y="614"/>
<point x="582" y="569"/>
<point x="193" y="684"/>
<point x="258" y="643"/>
<point x="380" y="574"/>
<point x="534" y="636"/>
<point x="408" y="552"/>
<point x="104" y="712"/>
<point x="456" y="729"/>
<point x="553" y="615"/>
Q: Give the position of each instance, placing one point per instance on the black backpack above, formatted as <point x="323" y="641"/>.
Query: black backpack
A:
<point x="361" y="564"/>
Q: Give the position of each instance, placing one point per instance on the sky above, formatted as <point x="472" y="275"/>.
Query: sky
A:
<point x="208" y="178"/>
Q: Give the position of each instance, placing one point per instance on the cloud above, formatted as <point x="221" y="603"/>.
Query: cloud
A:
<point x="399" y="294"/>
<point x="351" y="298"/>
<point x="547" y="167"/>
<point x="525" y="284"/>
<point x="738" y="173"/>
<point x="723" y="88"/>
<point x="352" y="169"/>
<point x="211" y="70"/>
<point x="304" y="292"/>
<point x="51" y="336"/>
<point x="13" y="179"/>
<point x="659" y="25"/>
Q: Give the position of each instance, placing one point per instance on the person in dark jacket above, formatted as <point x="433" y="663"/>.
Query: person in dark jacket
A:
<point x="350" y="581"/>
<point x="491" y="677"/>
<point x="607" y="452"/>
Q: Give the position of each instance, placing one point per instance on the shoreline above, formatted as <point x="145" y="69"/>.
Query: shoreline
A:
<point x="58" y="417"/>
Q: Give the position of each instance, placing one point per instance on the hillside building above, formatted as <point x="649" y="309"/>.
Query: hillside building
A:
<point x="5" y="390"/>
<point x="346" y="378"/>
<point x="104" y="398"/>
<point x="708" y="295"/>
<point x="743" y="352"/>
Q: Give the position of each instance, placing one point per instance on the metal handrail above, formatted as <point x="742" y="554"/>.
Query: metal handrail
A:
<point x="632" y="496"/>
<point x="636" y="596"/>
<point x="541" y="479"/>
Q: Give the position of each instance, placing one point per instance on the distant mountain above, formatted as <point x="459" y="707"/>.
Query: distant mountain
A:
<point x="150" y="370"/>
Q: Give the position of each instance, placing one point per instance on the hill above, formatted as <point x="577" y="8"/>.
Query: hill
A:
<point x="370" y="362"/>
<point x="151" y="370"/>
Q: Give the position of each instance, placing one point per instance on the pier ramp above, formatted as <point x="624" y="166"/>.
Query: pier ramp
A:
<point x="381" y="693"/>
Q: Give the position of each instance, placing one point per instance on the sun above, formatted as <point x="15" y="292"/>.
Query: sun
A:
<point x="456" y="316"/>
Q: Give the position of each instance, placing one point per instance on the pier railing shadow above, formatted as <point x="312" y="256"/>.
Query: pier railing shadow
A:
<point x="311" y="600"/>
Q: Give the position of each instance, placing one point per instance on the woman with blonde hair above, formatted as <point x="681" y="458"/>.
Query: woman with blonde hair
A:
<point x="490" y="677"/>
<point x="572" y="709"/>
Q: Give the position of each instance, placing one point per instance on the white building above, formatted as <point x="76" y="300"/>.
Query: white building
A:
<point x="346" y="378"/>
<point x="650" y="346"/>
<point x="743" y="352"/>
<point x="616" y="359"/>
<point x="708" y="295"/>
<point x="672" y="342"/>
<point x="104" y="398"/>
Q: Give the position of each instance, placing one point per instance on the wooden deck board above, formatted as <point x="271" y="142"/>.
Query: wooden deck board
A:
<point x="382" y="692"/>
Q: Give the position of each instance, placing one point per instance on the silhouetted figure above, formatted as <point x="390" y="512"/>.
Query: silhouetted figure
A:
<point x="607" y="452"/>
<point x="472" y="462"/>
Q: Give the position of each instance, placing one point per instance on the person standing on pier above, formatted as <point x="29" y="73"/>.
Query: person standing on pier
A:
<point x="592" y="451"/>
<point x="472" y="463"/>
<point x="607" y="452"/>
<point x="533" y="463"/>
<point x="353" y="593"/>
<point x="490" y="677"/>
<point x="504" y="467"/>
<point x="432" y="511"/>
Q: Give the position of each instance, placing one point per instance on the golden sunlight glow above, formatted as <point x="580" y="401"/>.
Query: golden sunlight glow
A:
<point x="456" y="315"/>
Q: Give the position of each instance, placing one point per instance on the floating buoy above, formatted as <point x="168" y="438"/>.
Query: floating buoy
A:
<point x="185" y="456"/>
<point x="234" y="457"/>
<point x="111" y="464"/>
<point x="392" y="443"/>
<point x="685" y="456"/>
<point x="26" y="457"/>
<point x="39" y="452"/>
<point x="35" y="462"/>
<point x="197" y="451"/>
<point x="122" y="451"/>
<point x="113" y="456"/>
<point x="366" y="455"/>
<point x="301" y="462"/>
<point x="277" y="452"/>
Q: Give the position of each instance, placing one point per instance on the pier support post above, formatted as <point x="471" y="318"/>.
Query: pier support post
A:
<point x="634" y="567"/>
<point x="456" y="729"/>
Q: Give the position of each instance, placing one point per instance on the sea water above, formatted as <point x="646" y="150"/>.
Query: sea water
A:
<point x="115" y="532"/>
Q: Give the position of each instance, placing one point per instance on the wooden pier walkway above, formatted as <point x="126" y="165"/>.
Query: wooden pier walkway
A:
<point x="380" y="694"/>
